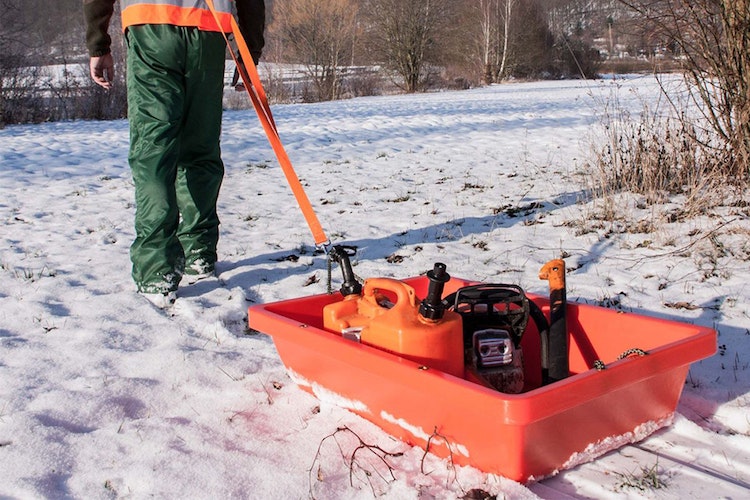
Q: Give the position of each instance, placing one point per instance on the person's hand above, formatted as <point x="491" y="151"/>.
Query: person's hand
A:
<point x="102" y="70"/>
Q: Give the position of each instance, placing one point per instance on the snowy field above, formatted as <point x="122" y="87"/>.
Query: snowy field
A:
<point x="103" y="396"/>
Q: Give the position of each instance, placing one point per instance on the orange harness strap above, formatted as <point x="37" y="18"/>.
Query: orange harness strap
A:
<point x="249" y="74"/>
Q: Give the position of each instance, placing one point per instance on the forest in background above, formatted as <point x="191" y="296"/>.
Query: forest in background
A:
<point x="346" y="48"/>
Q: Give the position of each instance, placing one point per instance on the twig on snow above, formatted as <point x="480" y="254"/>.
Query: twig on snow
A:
<point x="351" y="461"/>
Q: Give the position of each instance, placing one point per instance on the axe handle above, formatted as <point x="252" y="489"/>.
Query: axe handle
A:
<point x="557" y="362"/>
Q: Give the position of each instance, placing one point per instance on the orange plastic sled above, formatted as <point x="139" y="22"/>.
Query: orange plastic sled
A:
<point x="524" y="436"/>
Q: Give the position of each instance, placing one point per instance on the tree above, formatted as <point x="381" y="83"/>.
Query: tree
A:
<point x="412" y="36"/>
<point x="319" y="34"/>
<point x="572" y="24"/>
<point x="496" y="17"/>
<point x="44" y="65"/>
<point x="535" y="38"/>
<point x="17" y="74"/>
<point x="533" y="45"/>
<point x="713" y="36"/>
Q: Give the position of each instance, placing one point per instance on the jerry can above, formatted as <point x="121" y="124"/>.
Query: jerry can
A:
<point x="398" y="327"/>
<point x="350" y="315"/>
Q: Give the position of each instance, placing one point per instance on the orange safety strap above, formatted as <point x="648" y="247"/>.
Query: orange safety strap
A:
<point x="249" y="74"/>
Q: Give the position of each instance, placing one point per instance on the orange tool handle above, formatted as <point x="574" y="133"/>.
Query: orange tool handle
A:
<point x="554" y="272"/>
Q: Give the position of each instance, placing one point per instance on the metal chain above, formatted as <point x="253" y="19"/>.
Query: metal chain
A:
<point x="329" y="265"/>
<point x="329" y="277"/>
<point x="599" y="364"/>
<point x="629" y="352"/>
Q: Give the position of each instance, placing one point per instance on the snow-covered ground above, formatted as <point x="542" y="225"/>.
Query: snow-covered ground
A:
<point x="102" y="396"/>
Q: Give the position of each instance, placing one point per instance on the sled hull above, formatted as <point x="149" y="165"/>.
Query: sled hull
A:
<point x="523" y="436"/>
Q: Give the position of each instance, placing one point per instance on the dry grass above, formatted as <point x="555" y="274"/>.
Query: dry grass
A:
<point x="659" y="153"/>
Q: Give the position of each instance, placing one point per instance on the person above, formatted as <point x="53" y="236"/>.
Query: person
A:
<point x="175" y="80"/>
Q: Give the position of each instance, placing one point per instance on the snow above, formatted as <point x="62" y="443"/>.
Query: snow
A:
<point x="103" y="396"/>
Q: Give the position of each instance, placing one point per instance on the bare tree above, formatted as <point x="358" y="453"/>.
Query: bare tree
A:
<point x="713" y="36"/>
<point x="496" y="18"/>
<point x="44" y="67"/>
<point x="502" y="56"/>
<point x="534" y="38"/>
<point x="319" y="34"/>
<point x="18" y="74"/>
<point x="572" y="24"/>
<point x="412" y="36"/>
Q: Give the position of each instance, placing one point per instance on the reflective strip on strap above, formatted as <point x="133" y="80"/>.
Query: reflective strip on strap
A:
<point x="178" y="13"/>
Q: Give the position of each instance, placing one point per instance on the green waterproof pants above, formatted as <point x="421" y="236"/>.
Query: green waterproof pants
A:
<point x="175" y="84"/>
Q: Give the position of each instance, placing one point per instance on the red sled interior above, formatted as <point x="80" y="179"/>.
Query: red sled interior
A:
<point x="524" y="436"/>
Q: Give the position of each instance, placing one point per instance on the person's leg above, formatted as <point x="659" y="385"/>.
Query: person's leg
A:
<point x="156" y="59"/>
<point x="200" y="169"/>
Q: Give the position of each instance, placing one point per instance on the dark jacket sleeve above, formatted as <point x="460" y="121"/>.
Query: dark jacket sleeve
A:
<point x="251" y="16"/>
<point x="97" y="14"/>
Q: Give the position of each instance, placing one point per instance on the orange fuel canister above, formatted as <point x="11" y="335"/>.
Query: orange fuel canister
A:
<point x="398" y="327"/>
<point x="354" y="312"/>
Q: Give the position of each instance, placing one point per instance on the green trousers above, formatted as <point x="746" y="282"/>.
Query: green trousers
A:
<point x="175" y="85"/>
